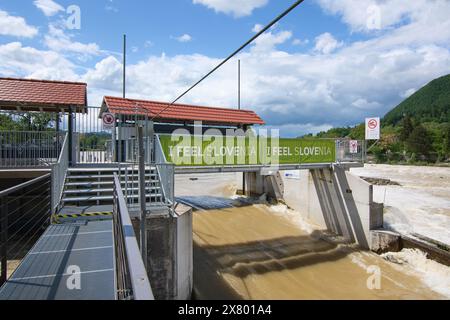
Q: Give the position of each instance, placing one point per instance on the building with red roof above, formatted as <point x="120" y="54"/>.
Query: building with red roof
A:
<point x="42" y="95"/>
<point x="68" y="102"/>
<point x="180" y="113"/>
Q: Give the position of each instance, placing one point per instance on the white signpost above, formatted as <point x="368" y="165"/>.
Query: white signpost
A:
<point x="373" y="128"/>
<point x="353" y="146"/>
<point x="109" y="120"/>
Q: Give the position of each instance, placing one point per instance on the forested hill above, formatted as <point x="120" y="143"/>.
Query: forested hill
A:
<point x="416" y="131"/>
<point x="429" y="104"/>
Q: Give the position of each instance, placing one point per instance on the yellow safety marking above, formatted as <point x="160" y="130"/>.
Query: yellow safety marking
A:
<point x="90" y="214"/>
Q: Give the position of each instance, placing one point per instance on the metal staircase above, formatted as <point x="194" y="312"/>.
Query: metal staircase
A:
<point x="94" y="186"/>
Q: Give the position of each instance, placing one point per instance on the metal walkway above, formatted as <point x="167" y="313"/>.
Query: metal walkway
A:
<point x="81" y="247"/>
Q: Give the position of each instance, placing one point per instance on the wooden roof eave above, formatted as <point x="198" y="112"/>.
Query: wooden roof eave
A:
<point x="39" y="107"/>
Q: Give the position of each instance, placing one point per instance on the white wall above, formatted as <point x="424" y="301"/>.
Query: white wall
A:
<point x="336" y="200"/>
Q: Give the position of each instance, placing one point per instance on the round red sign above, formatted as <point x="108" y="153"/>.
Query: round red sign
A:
<point x="108" y="119"/>
<point x="373" y="123"/>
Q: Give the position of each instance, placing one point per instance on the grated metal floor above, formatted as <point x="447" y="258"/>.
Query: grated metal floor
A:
<point x="76" y="245"/>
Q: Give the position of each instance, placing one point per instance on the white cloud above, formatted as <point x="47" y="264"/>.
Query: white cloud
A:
<point x="15" y="26"/>
<point x="299" y="129"/>
<point x="299" y="42"/>
<point x="257" y="28"/>
<point x="48" y="7"/>
<point x="326" y="43"/>
<point x="183" y="38"/>
<point x="408" y="93"/>
<point x="297" y="92"/>
<point x="363" y="104"/>
<point x="111" y="7"/>
<point x="59" y="41"/>
<point x="17" y="60"/>
<point x="269" y="40"/>
<point x="391" y="14"/>
<point x="106" y="75"/>
<point x="236" y="8"/>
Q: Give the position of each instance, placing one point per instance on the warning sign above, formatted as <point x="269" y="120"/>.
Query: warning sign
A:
<point x="372" y="128"/>
<point x="353" y="146"/>
<point x="109" y="120"/>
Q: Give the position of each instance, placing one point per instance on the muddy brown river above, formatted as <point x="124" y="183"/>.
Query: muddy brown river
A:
<point x="254" y="251"/>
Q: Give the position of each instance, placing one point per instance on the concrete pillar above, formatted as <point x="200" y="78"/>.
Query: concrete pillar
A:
<point x="264" y="182"/>
<point x="254" y="184"/>
<point x="169" y="253"/>
<point x="383" y="241"/>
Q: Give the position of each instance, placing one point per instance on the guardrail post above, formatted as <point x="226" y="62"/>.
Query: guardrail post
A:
<point x="364" y="156"/>
<point x="71" y="132"/>
<point x="4" y="241"/>
<point x="151" y="134"/>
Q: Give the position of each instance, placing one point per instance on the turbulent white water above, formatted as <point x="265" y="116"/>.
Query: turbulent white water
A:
<point x="435" y="275"/>
<point x="293" y="216"/>
<point x="271" y="252"/>
<point x="415" y="262"/>
<point x="421" y="204"/>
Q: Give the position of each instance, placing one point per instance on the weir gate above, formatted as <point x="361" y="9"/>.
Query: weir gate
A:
<point x="88" y="209"/>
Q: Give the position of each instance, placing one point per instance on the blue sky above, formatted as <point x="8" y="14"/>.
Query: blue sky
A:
<point x="329" y="63"/>
<point x="152" y="26"/>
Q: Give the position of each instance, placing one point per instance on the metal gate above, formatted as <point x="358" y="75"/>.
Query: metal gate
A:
<point x="92" y="142"/>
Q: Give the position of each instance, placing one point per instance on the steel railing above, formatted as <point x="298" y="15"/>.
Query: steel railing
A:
<point x="29" y="148"/>
<point x="158" y="176"/>
<point x="347" y="151"/>
<point x="59" y="173"/>
<point x="129" y="175"/>
<point x="131" y="276"/>
<point x="166" y="172"/>
<point x="25" y="212"/>
<point x="91" y="138"/>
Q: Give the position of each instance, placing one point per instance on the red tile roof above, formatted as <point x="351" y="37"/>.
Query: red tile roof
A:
<point x="181" y="112"/>
<point x="41" y="94"/>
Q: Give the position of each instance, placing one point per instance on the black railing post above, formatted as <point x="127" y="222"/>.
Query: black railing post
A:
<point x="3" y="240"/>
<point x="71" y="137"/>
<point x="50" y="205"/>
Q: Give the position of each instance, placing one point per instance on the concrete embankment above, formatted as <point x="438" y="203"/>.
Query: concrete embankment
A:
<point x="384" y="241"/>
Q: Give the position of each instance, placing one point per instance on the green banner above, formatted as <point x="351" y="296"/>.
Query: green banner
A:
<point x="185" y="150"/>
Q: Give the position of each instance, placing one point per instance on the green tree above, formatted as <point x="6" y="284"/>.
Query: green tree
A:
<point x="419" y="141"/>
<point x="407" y="128"/>
<point x="7" y="123"/>
<point x="446" y="141"/>
<point x="358" y="132"/>
<point x="35" y="121"/>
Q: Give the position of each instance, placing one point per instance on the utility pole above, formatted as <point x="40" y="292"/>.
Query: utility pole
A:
<point x="124" y="64"/>
<point x="124" y="87"/>
<point x="142" y="198"/>
<point x="239" y="84"/>
<point x="239" y="108"/>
